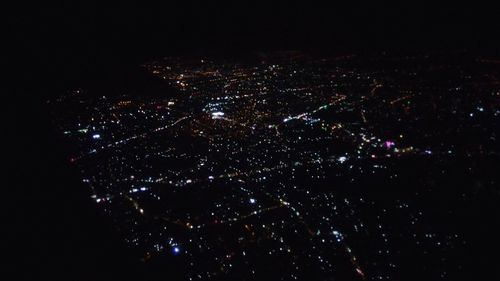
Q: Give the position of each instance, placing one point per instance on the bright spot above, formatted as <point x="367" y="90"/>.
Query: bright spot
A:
<point x="96" y="136"/>
<point x="360" y="272"/>
<point x="342" y="159"/>
<point x="252" y="201"/>
<point x="389" y="144"/>
<point x="217" y="114"/>
<point x="176" y="250"/>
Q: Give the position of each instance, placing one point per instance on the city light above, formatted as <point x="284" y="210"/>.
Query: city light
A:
<point x="316" y="164"/>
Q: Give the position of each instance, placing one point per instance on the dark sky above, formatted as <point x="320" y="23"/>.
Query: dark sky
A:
<point x="87" y="39"/>
<point x="133" y="31"/>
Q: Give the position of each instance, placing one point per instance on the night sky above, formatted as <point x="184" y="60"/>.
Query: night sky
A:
<point x="86" y="38"/>
<point x="56" y="234"/>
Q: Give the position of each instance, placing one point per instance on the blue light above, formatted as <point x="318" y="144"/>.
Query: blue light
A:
<point x="176" y="250"/>
<point x="252" y="201"/>
<point x="96" y="136"/>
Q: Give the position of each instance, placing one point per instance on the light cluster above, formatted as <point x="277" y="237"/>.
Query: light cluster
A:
<point x="295" y="167"/>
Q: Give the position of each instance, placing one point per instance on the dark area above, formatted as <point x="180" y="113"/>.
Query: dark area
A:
<point x="53" y="229"/>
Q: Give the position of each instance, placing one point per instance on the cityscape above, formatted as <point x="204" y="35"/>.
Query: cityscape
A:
<point x="291" y="165"/>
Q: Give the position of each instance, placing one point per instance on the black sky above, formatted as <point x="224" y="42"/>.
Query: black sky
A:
<point x="85" y="34"/>
<point x="73" y="42"/>
<point x="80" y="40"/>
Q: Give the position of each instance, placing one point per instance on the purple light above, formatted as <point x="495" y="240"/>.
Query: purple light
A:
<point x="389" y="144"/>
